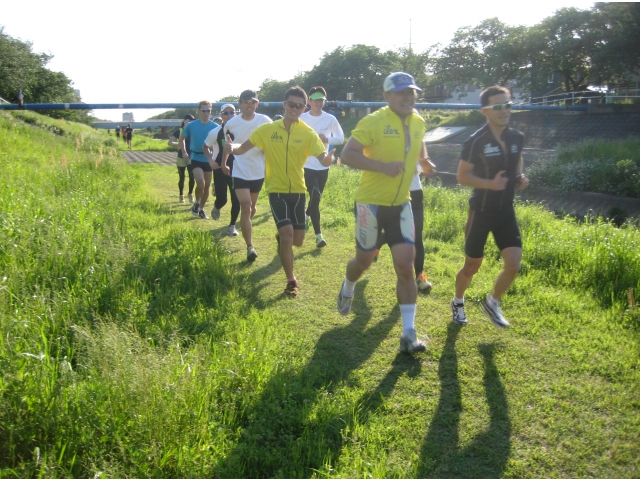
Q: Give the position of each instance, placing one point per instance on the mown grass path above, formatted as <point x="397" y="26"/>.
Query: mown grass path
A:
<point x="479" y="403"/>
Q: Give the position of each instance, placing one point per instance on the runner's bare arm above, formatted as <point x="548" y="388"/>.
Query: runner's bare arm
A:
<point x="182" y="145"/>
<point x="236" y="149"/>
<point x="352" y="155"/>
<point x="521" y="179"/>
<point x="428" y="168"/>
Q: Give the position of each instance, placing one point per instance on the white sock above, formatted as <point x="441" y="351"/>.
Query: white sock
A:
<point x="408" y="313"/>
<point x="348" y="288"/>
<point x="457" y="300"/>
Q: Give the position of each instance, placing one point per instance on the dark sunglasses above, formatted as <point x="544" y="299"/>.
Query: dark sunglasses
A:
<point x="205" y="110"/>
<point x="298" y="106"/>
<point x="499" y="106"/>
<point x="229" y="113"/>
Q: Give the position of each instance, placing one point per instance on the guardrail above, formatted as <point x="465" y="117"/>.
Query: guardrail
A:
<point x="584" y="97"/>
<point x="329" y="106"/>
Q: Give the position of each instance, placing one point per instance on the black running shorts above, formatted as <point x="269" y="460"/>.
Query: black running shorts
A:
<point x="288" y="209"/>
<point x="503" y="225"/>
<point x="254" y="186"/>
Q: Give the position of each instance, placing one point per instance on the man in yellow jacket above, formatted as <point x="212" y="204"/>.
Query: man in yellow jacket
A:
<point x="287" y="143"/>
<point x="387" y="145"/>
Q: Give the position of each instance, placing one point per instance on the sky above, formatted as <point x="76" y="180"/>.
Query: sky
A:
<point x="149" y="52"/>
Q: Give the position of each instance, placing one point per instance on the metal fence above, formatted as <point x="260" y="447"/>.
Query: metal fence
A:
<point x="584" y="97"/>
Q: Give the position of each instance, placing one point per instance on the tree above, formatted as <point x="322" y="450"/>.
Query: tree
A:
<point x="360" y="69"/>
<point x="491" y="53"/>
<point x="21" y="69"/>
<point x="616" y="55"/>
<point x="569" y="41"/>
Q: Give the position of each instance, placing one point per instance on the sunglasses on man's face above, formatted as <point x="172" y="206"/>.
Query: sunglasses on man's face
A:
<point x="205" y="110"/>
<point x="229" y="113"/>
<point x="499" y="106"/>
<point x="297" y="106"/>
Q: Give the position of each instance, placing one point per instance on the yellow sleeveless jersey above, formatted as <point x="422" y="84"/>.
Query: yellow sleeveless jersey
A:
<point x="285" y="154"/>
<point x="382" y="134"/>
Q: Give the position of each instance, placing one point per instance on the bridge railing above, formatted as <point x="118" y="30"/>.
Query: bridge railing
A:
<point x="564" y="99"/>
<point x="329" y="105"/>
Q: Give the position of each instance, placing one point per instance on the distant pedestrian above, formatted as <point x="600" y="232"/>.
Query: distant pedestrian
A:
<point x="128" y="134"/>
<point x="180" y="162"/>
<point x="118" y="132"/>
<point x="491" y="163"/>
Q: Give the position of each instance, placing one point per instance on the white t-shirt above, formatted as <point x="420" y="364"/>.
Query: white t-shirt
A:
<point x="212" y="142"/>
<point x="328" y="125"/>
<point x="415" y="181"/>
<point x="249" y="166"/>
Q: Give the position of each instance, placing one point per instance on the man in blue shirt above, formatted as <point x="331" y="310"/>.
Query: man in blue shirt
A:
<point x="200" y="165"/>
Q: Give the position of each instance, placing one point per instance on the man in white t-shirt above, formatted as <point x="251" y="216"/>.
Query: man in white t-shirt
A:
<point x="248" y="169"/>
<point x="315" y="174"/>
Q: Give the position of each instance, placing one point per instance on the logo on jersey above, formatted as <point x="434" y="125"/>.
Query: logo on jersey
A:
<point x="514" y="149"/>
<point x="276" y="138"/>
<point x="390" y="131"/>
<point x="491" y="151"/>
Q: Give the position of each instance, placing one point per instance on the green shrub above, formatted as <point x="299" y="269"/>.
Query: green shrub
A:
<point x="599" y="166"/>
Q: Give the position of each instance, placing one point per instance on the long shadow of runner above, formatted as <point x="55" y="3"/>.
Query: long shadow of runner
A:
<point x="487" y="455"/>
<point x="296" y="423"/>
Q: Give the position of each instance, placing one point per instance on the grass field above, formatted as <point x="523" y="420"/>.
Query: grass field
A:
<point x="136" y="341"/>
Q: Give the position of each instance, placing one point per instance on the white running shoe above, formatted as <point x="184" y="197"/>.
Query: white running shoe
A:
<point x="320" y="241"/>
<point x="195" y="210"/>
<point x="231" y="231"/>
<point x="344" y="303"/>
<point x="457" y="309"/>
<point x="215" y="213"/>
<point x="494" y="312"/>
<point x="409" y="342"/>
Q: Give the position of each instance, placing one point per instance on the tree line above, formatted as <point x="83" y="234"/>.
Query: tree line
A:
<point x="21" y="69"/>
<point x="571" y="49"/>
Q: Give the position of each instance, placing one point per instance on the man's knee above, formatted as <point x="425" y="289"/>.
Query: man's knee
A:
<point x="471" y="266"/>
<point x="363" y="260"/>
<point x="512" y="267"/>
<point x="285" y="234"/>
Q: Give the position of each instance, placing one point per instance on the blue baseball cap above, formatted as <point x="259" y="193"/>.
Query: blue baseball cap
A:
<point x="399" y="81"/>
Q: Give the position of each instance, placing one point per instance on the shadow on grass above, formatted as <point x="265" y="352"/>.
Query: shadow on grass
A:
<point x="295" y="425"/>
<point x="488" y="453"/>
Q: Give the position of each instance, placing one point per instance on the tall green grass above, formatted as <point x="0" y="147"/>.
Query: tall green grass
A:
<point x="131" y="344"/>
<point x="593" y="165"/>
<point x="452" y="118"/>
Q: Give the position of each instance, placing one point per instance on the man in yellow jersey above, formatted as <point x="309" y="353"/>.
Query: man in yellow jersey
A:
<point x="387" y="145"/>
<point x="287" y="143"/>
